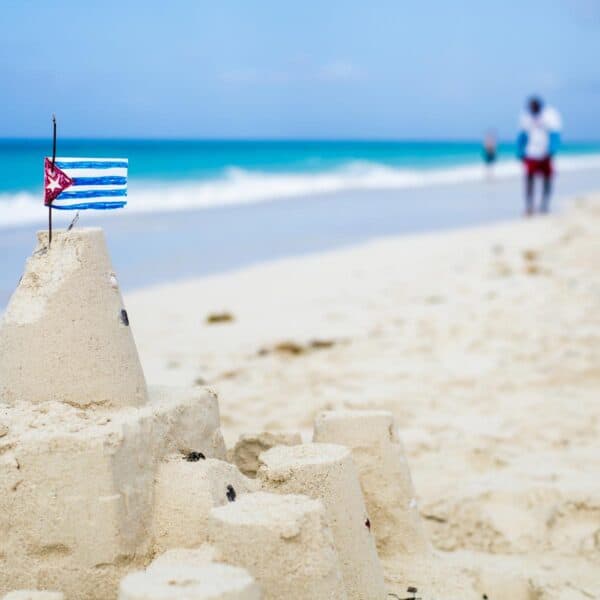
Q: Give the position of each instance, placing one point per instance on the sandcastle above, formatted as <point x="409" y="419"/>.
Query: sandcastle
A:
<point x="85" y="436"/>
<point x="111" y="488"/>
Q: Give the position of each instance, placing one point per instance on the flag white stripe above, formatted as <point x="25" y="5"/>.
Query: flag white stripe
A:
<point x="113" y="172"/>
<point x="87" y="159"/>
<point x="60" y="202"/>
<point x="87" y="188"/>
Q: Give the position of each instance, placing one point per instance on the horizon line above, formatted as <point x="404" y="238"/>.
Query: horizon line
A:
<point x="456" y="140"/>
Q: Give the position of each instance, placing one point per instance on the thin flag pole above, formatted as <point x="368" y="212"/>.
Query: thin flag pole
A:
<point x="53" y="159"/>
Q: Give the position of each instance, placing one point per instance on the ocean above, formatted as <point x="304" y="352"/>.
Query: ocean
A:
<point x="205" y="207"/>
<point x="172" y="175"/>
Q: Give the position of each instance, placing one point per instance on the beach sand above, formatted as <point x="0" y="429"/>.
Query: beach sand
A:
<point x="484" y="343"/>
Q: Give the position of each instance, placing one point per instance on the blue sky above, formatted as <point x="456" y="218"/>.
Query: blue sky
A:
<point x="304" y="69"/>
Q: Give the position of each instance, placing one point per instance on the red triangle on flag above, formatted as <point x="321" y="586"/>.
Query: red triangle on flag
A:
<point x="55" y="181"/>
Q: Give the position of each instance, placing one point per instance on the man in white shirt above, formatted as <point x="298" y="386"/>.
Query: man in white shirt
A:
<point x="538" y="141"/>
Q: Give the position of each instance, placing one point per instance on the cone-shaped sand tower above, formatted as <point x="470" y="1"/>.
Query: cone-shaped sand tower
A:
<point x="65" y="335"/>
<point x="326" y="472"/>
<point x="283" y="541"/>
<point x="384" y="476"/>
<point x="83" y="438"/>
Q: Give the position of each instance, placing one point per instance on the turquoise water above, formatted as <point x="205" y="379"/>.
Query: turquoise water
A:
<point x="206" y="207"/>
<point x="192" y="161"/>
<point x="174" y="176"/>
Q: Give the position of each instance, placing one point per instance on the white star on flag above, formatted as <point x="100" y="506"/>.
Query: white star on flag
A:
<point x="53" y="184"/>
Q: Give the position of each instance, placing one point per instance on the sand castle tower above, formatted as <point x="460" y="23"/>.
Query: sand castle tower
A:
<point x="283" y="541"/>
<point x="326" y="472"/>
<point x="82" y="436"/>
<point x="185" y="493"/>
<point x="65" y="334"/>
<point x="384" y="476"/>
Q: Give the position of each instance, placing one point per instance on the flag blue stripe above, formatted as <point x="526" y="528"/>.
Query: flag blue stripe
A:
<point x="108" y="180"/>
<point x="95" y="205"/>
<point x="91" y="194"/>
<point x="90" y="164"/>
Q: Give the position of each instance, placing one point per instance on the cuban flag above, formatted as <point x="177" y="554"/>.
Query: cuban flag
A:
<point x="81" y="183"/>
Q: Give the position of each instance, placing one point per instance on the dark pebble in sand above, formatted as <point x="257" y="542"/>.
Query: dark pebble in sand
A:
<point x="231" y="493"/>
<point x="194" y="456"/>
<point x="224" y="317"/>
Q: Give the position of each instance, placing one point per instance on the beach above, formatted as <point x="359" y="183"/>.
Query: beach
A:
<point x="300" y="301"/>
<point x="167" y="234"/>
<point x="414" y="294"/>
<point x="482" y="341"/>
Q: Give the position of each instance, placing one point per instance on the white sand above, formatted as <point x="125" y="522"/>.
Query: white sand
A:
<point x="485" y="344"/>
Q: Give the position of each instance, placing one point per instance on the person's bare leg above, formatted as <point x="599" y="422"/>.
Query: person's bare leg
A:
<point x="529" y="190"/>
<point x="546" y="193"/>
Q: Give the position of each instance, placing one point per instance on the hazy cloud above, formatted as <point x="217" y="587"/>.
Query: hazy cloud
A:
<point x="546" y="82"/>
<point x="335" y="71"/>
<point x="340" y="70"/>
<point x="586" y="11"/>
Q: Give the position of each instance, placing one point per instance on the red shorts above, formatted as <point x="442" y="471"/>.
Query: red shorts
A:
<point x="539" y="166"/>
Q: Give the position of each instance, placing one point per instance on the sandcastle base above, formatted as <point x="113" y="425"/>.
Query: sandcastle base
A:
<point x="77" y="487"/>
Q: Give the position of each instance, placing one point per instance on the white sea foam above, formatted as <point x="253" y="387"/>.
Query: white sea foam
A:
<point x="247" y="187"/>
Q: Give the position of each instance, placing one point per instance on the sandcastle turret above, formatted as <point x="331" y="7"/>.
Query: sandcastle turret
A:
<point x="83" y="437"/>
<point x="283" y="541"/>
<point x="326" y="472"/>
<point x="384" y="476"/>
<point x="184" y="494"/>
<point x="65" y="335"/>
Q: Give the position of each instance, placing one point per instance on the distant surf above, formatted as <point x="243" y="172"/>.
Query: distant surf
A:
<point x="242" y="186"/>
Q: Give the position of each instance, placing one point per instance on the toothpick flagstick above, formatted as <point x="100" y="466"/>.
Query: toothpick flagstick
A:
<point x="53" y="161"/>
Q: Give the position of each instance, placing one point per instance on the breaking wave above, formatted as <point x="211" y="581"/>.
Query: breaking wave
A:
<point x="238" y="186"/>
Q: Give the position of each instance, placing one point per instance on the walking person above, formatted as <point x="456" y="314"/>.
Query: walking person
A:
<point x="537" y="144"/>
<point x="490" y="152"/>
